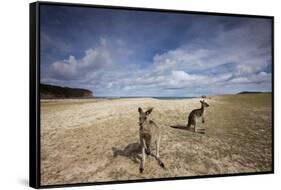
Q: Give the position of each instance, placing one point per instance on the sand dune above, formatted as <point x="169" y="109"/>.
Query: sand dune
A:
<point x="91" y="140"/>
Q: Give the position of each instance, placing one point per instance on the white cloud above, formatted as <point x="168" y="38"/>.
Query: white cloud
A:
<point x="181" y="71"/>
<point x="261" y="77"/>
<point x="53" y="44"/>
<point x="73" y="69"/>
<point x="182" y="57"/>
<point x="242" y="47"/>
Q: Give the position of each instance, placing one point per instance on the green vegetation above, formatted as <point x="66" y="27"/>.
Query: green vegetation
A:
<point x="50" y="92"/>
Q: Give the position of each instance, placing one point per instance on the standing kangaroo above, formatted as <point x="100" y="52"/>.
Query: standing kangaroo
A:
<point x="149" y="133"/>
<point x="196" y="114"/>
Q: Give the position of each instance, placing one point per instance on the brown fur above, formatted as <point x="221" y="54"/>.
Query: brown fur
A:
<point x="149" y="133"/>
<point x="196" y="114"/>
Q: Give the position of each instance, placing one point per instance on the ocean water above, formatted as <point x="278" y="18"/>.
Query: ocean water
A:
<point x="172" y="98"/>
<point x="159" y="98"/>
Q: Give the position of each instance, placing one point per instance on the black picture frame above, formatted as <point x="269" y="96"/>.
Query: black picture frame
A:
<point x="34" y="93"/>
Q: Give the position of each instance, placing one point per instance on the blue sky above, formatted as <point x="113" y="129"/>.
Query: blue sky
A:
<point x="136" y="53"/>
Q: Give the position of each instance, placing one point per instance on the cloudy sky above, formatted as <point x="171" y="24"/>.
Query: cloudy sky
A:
<point x="136" y="53"/>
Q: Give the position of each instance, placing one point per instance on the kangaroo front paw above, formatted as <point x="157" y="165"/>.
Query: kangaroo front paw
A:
<point x="141" y="170"/>
<point x="147" y="151"/>
<point x="162" y="164"/>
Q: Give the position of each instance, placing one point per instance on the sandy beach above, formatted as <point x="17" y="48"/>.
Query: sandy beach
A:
<point x="90" y="140"/>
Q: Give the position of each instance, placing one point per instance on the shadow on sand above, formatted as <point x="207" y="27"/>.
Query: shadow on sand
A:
<point x="131" y="151"/>
<point x="184" y="127"/>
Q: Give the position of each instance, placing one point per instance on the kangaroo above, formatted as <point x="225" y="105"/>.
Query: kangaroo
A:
<point x="197" y="113"/>
<point x="149" y="133"/>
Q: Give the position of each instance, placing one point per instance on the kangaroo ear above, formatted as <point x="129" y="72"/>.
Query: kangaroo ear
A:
<point x="140" y="110"/>
<point x="148" y="111"/>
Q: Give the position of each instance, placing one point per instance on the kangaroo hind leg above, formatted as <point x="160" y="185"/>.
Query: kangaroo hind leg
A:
<point x="142" y="160"/>
<point x="144" y="148"/>
<point x="157" y="153"/>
